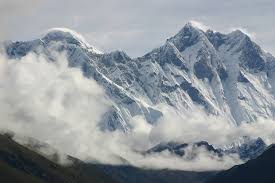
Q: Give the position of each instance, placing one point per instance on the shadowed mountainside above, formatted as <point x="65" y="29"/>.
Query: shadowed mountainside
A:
<point x="256" y="170"/>
<point x="19" y="164"/>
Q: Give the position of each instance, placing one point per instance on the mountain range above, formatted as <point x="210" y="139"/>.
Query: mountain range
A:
<point x="246" y="150"/>
<point x="227" y="75"/>
<point x="19" y="164"/>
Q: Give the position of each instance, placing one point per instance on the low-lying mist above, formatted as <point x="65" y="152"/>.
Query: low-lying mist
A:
<point x="56" y="104"/>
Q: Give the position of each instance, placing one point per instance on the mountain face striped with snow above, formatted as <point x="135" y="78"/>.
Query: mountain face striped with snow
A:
<point x="226" y="74"/>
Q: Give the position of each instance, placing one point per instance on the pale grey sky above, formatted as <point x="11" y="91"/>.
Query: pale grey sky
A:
<point x="136" y="26"/>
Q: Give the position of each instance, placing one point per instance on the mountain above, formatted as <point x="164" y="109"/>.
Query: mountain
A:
<point x="226" y="74"/>
<point x="246" y="149"/>
<point x="180" y="149"/>
<point x="19" y="164"/>
<point x="254" y="171"/>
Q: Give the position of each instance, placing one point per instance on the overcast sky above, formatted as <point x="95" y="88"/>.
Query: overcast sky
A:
<point x="135" y="26"/>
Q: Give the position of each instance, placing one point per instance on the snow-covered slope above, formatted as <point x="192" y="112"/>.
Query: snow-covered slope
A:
<point x="226" y="74"/>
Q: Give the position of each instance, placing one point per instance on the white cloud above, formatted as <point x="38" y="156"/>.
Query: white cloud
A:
<point x="50" y="101"/>
<point x="196" y="125"/>
<point x="200" y="25"/>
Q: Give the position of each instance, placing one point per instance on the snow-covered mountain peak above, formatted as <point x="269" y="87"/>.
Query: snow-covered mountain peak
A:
<point x="251" y="56"/>
<point x="68" y="36"/>
<point x="190" y="28"/>
<point x="237" y="33"/>
<point x="237" y="36"/>
<point x="188" y="36"/>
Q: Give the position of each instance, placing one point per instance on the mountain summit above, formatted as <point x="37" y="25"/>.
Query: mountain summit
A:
<point x="68" y="36"/>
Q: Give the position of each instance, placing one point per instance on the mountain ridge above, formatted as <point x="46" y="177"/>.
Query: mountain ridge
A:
<point x="254" y="171"/>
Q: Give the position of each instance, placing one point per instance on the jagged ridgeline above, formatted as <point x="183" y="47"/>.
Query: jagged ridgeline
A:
<point x="226" y="74"/>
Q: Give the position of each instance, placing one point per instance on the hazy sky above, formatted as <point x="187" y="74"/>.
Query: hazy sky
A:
<point x="135" y="26"/>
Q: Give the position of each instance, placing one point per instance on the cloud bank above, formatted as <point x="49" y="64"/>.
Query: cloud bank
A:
<point x="197" y="125"/>
<point x="54" y="103"/>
